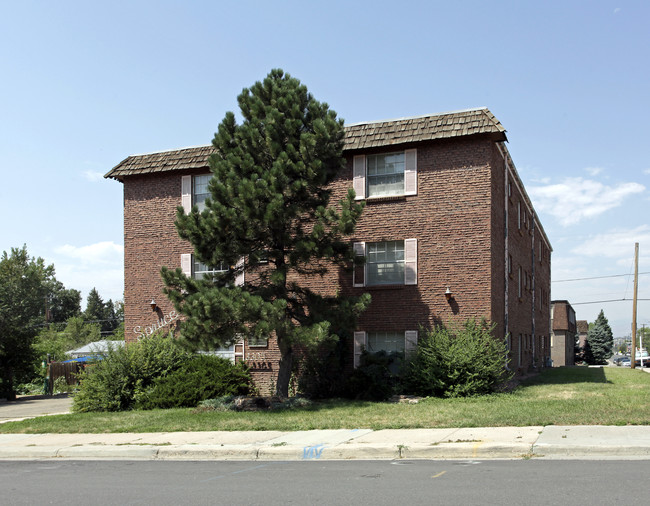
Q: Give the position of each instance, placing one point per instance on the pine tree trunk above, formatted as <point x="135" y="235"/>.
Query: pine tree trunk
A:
<point x="284" y="370"/>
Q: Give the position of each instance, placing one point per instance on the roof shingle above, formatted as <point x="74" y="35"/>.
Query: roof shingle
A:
<point x="357" y="136"/>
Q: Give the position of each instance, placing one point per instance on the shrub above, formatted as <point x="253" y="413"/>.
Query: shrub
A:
<point x="376" y="378"/>
<point x="200" y="378"/>
<point x="322" y="370"/>
<point x="464" y="361"/>
<point x="115" y="383"/>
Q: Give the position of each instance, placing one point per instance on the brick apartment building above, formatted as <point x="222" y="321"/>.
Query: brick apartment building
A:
<point x="564" y="330"/>
<point x="448" y="232"/>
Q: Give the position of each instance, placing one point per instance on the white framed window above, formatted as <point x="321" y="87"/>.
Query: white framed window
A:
<point x="201" y="270"/>
<point x="390" y="342"/>
<point x="194" y="191"/>
<point x="198" y="270"/>
<point x="387" y="263"/>
<point x="385" y="174"/>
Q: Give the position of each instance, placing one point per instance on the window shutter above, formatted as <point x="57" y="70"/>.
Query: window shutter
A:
<point x="359" y="273"/>
<point x="411" y="262"/>
<point x="359" y="345"/>
<point x="239" y="277"/>
<point x="359" y="176"/>
<point x="186" y="193"/>
<point x="410" y="342"/>
<point x="186" y="263"/>
<point x="411" y="172"/>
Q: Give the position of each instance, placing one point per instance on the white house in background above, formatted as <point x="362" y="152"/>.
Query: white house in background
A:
<point x="95" y="348"/>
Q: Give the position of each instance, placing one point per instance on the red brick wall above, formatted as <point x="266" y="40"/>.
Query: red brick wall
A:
<point x="457" y="216"/>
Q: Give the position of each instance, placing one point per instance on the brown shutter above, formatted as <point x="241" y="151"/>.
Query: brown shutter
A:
<point x="411" y="172"/>
<point x="410" y="261"/>
<point x="359" y="274"/>
<point x="186" y="193"/>
<point x="359" y="176"/>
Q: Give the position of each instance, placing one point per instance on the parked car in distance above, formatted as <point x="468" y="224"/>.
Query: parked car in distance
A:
<point x="624" y="362"/>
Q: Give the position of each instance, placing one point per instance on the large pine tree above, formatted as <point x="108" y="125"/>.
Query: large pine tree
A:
<point x="270" y="206"/>
<point x="600" y="341"/>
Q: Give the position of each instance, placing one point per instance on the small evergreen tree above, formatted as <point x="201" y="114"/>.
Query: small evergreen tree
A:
<point x="600" y="341"/>
<point x="269" y="204"/>
<point x="100" y="312"/>
<point x="460" y="361"/>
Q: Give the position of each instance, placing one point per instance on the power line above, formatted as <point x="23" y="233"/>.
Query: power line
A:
<point x="604" y="301"/>
<point x="596" y="277"/>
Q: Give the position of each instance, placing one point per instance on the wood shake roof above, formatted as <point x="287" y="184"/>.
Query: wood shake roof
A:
<point x="357" y="136"/>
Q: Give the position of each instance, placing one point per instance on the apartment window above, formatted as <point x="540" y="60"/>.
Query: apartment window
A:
<point x="257" y="342"/>
<point x="390" y="342"/>
<point x="201" y="270"/>
<point x="385" y="174"/>
<point x="519" y="291"/>
<point x="387" y="263"/>
<point x="519" y="215"/>
<point x="198" y="270"/>
<point x="200" y="190"/>
<point x="194" y="191"/>
<point x="510" y="265"/>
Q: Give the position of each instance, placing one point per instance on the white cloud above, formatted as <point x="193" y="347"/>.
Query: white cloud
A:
<point x="93" y="254"/>
<point x="99" y="265"/>
<point x="615" y="244"/>
<point x="93" y="176"/>
<point x="647" y="171"/>
<point x="617" y="10"/>
<point x="593" y="171"/>
<point x="576" y="199"/>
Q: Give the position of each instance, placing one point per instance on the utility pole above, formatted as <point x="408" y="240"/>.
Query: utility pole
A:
<point x="636" y="288"/>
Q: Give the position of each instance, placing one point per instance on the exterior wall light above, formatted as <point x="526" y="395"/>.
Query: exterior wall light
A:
<point x="153" y="305"/>
<point x="448" y="295"/>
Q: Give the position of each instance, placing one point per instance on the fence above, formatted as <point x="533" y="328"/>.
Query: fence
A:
<point x="67" y="370"/>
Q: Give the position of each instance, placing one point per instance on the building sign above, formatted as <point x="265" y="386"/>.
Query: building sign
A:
<point x="147" y="330"/>
<point x="257" y="361"/>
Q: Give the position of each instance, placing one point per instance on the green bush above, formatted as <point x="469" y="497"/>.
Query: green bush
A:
<point x="464" y="361"/>
<point x="376" y="378"/>
<point x="116" y="382"/>
<point x="200" y="378"/>
<point x="321" y="373"/>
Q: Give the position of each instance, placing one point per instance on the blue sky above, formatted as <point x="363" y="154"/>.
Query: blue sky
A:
<point x="85" y="84"/>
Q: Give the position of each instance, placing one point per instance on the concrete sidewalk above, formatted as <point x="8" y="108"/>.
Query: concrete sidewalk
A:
<point x="551" y="442"/>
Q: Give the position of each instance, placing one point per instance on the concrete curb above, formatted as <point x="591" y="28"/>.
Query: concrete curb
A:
<point x="552" y="442"/>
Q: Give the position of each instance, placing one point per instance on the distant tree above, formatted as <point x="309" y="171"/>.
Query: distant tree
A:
<point x="578" y="352"/>
<point x="600" y="341"/>
<point x="63" y="303"/>
<point x="95" y="306"/>
<point x="25" y="284"/>
<point x="55" y="342"/>
<point x="269" y="204"/>
<point x="100" y="312"/>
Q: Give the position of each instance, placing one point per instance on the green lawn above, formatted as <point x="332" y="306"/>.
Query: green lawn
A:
<point x="563" y="396"/>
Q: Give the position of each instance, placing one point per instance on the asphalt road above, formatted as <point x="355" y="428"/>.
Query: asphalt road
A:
<point x="29" y="407"/>
<point x="519" y="482"/>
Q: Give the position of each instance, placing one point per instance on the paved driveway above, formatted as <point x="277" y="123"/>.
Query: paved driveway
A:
<point x="32" y="406"/>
